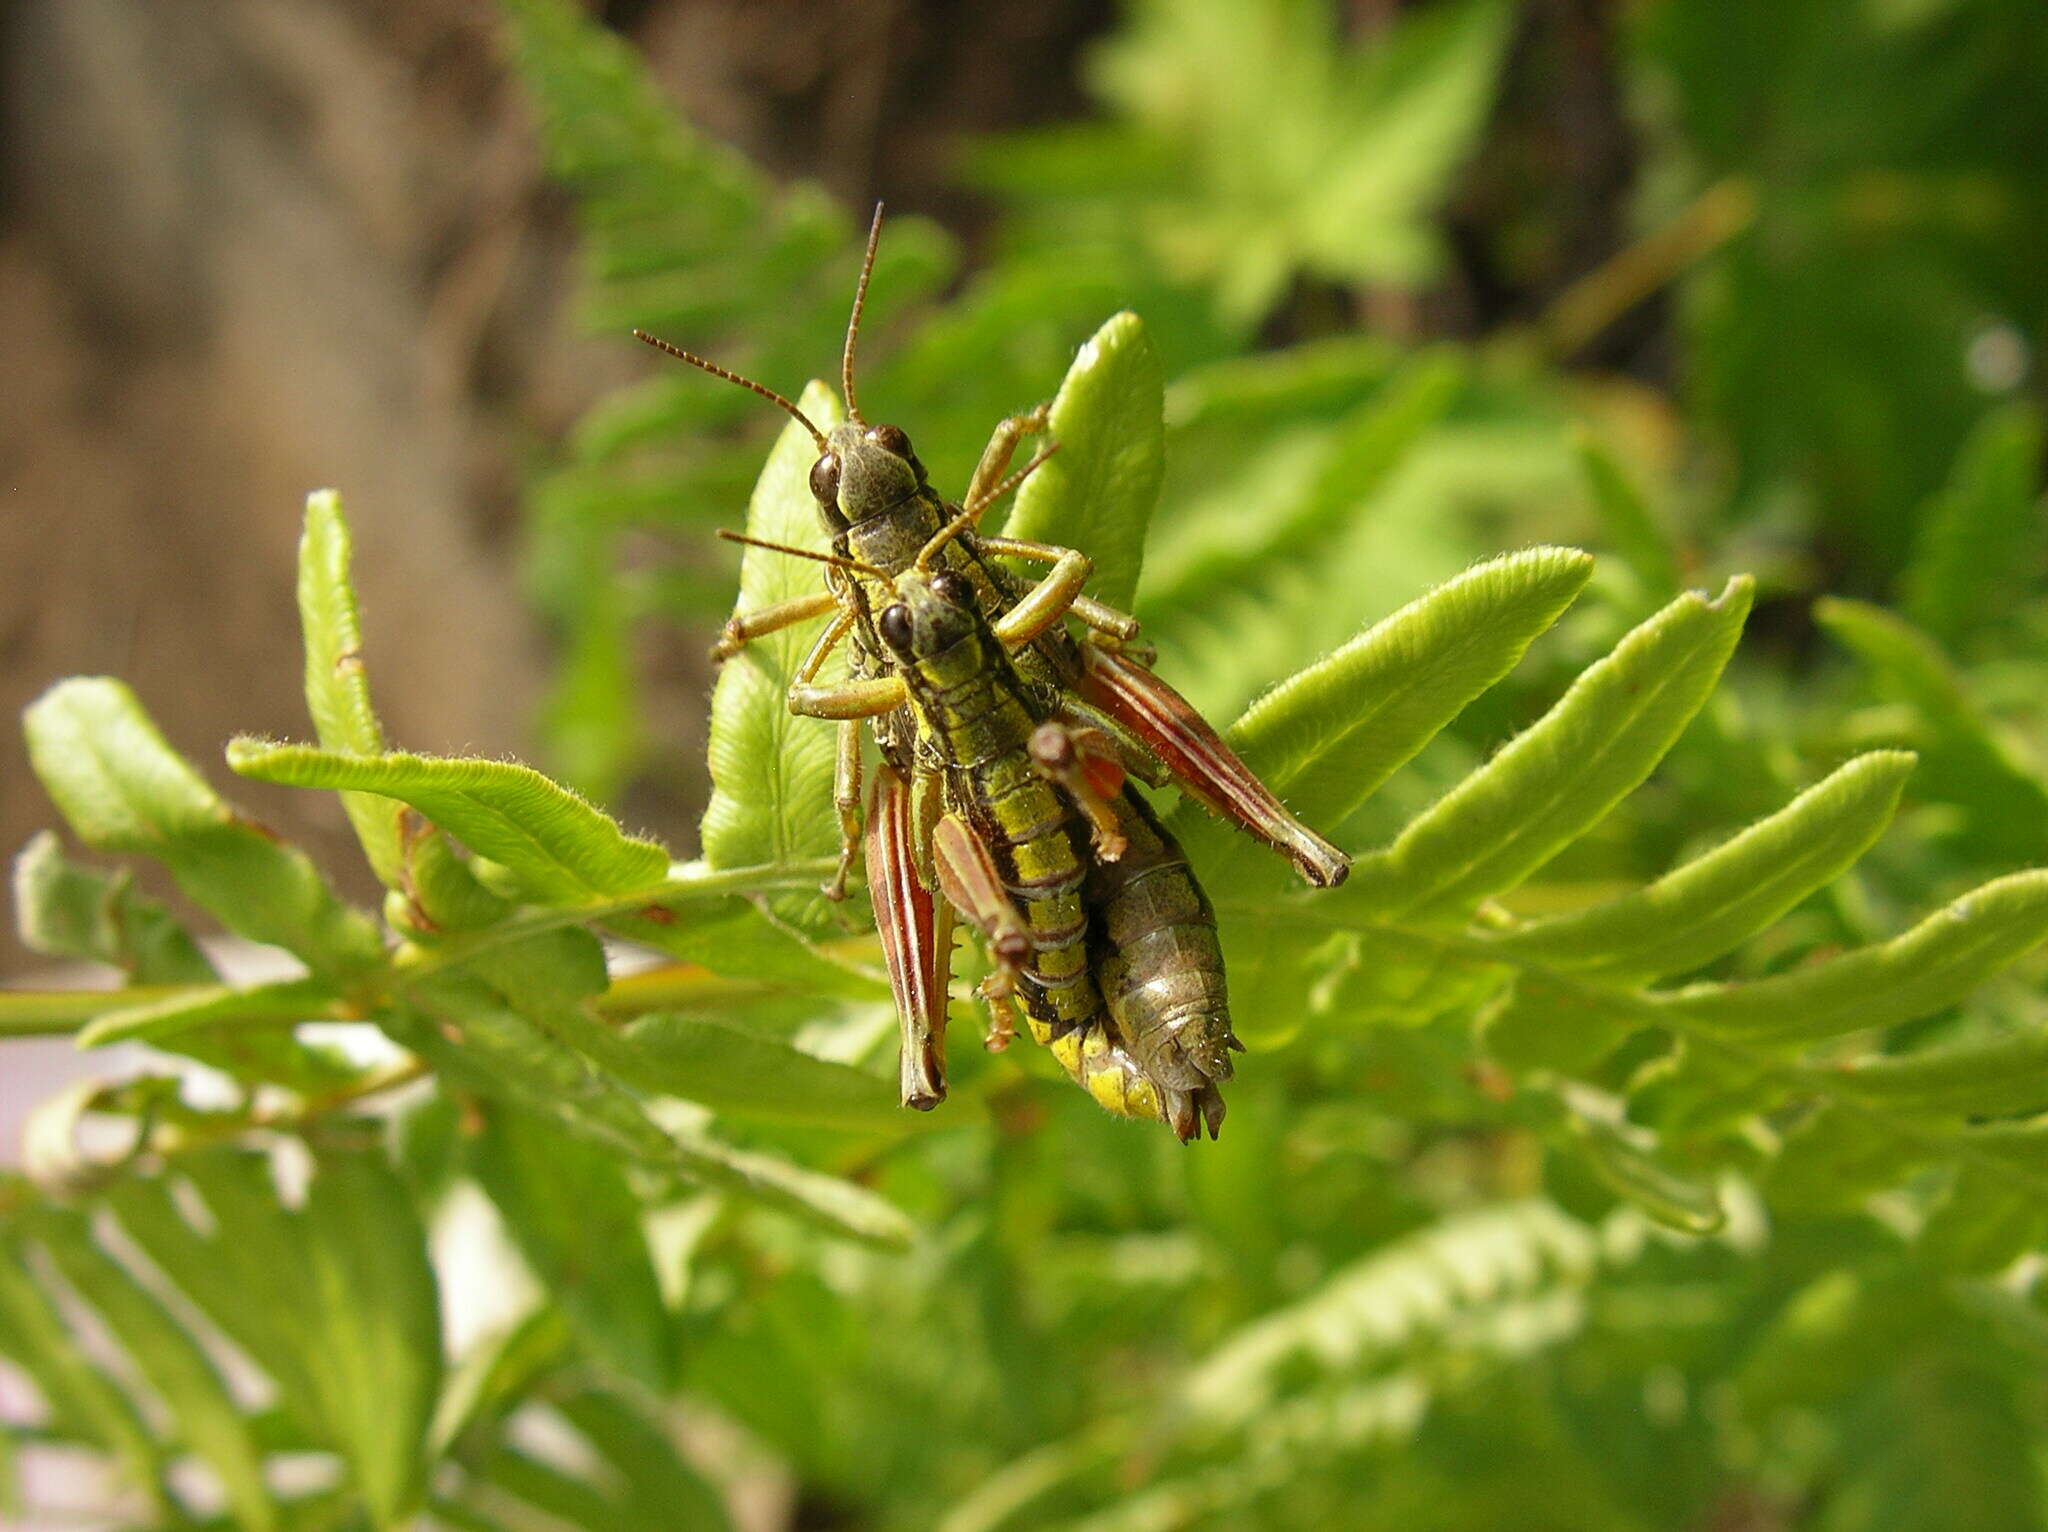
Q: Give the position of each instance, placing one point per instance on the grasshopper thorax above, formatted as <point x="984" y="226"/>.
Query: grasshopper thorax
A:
<point x="865" y="471"/>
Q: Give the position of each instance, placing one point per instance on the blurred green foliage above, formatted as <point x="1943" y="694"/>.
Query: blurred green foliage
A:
<point x="1625" y="1146"/>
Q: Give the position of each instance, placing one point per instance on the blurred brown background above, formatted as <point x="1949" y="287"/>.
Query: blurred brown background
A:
<point x="253" y="247"/>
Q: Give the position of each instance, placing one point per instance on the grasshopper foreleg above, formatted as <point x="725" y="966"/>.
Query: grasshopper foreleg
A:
<point x="742" y="628"/>
<point x="1002" y="447"/>
<point x="846" y="802"/>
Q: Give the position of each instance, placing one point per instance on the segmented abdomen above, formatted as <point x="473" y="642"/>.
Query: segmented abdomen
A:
<point x="973" y="709"/>
<point x="1159" y="963"/>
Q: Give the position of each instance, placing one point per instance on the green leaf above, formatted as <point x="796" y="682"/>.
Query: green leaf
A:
<point x="1979" y="546"/>
<point x="1965" y="759"/>
<point x="1985" y="1223"/>
<point x="1196" y="561"/>
<point x="556" y="845"/>
<point x="63" y="910"/>
<point x="490" y="1379"/>
<point x="1549" y="785"/>
<point x="1253" y="146"/>
<point x="743" y="1073"/>
<point x="123" y="789"/>
<point x="206" y="1417"/>
<point x="335" y="1301"/>
<point x="246" y="1273"/>
<point x="371" y="1293"/>
<point x="1328" y="737"/>
<point x="577" y="1223"/>
<point x="1934" y="965"/>
<point x="337" y="684"/>
<point x="1705" y="908"/>
<point x="159" y="1021"/>
<point x="1097" y="492"/>
<point x="660" y="1488"/>
<point x="1407" y="1290"/>
<point x="2007" y="1077"/>
<point x="1421" y="101"/>
<point x="83" y="1402"/>
<point x="771" y="772"/>
<point x="560" y="1062"/>
<point x="1835" y="1159"/>
<point x="1631" y="527"/>
<point x="836" y="1205"/>
<point x="1636" y="1172"/>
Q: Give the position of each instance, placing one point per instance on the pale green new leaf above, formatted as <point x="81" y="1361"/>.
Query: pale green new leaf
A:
<point x="63" y="910"/>
<point x="557" y="846"/>
<point x="771" y="772"/>
<point x="1555" y="781"/>
<point x="1706" y="907"/>
<point x="1937" y="963"/>
<point x="1634" y="1171"/>
<point x="2007" y="1077"/>
<point x="123" y="789"/>
<point x="337" y="683"/>
<point x="1096" y="493"/>
<point x="1328" y="737"/>
<point x="159" y="1021"/>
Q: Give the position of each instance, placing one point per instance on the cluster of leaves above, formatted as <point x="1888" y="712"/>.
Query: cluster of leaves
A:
<point x="1624" y="1146"/>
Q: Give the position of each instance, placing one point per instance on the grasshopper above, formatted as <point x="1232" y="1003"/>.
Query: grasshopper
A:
<point x="880" y="512"/>
<point x="1000" y="844"/>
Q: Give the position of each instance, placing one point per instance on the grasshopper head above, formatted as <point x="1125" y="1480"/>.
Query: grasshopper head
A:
<point x="931" y="613"/>
<point x="864" y="472"/>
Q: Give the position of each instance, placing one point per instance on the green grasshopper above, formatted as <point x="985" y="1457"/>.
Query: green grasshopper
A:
<point x="880" y="512"/>
<point x="999" y="839"/>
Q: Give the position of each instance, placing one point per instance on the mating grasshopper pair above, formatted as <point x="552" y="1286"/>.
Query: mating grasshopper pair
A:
<point x="996" y="729"/>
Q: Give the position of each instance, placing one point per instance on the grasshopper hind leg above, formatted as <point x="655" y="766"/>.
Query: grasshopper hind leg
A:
<point x="916" y="931"/>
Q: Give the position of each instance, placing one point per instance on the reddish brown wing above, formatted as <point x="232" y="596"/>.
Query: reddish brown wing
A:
<point x="1203" y="766"/>
<point x="916" y="929"/>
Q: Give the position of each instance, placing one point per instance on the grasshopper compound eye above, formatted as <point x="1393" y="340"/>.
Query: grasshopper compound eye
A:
<point x="891" y="439"/>
<point x="825" y="479"/>
<point x="953" y="589"/>
<point x="894" y="624"/>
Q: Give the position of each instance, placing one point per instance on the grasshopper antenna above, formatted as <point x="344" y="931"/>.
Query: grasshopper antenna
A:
<point x="832" y="559"/>
<point x="732" y="377"/>
<point x="971" y="513"/>
<point x="860" y="300"/>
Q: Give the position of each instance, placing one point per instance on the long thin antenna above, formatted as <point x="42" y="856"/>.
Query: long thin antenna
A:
<point x="860" y="300"/>
<point x="971" y="512"/>
<point x="732" y="377"/>
<point x="804" y="553"/>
